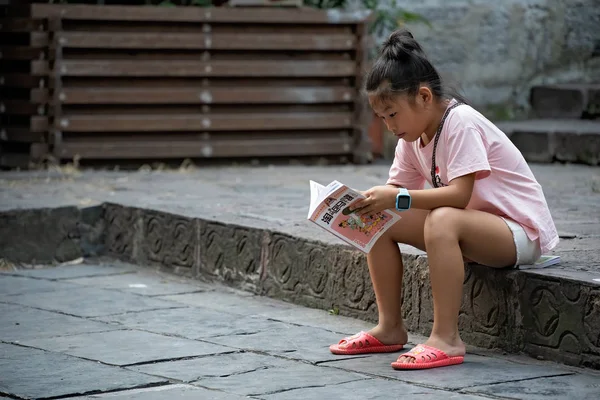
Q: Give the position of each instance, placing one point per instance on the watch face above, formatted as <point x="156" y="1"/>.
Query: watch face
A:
<point x="403" y="202"/>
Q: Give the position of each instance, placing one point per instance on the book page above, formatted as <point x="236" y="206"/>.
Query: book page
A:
<point x="334" y="215"/>
<point x="316" y="196"/>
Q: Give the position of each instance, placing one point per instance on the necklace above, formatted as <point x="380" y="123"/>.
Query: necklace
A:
<point x="435" y="179"/>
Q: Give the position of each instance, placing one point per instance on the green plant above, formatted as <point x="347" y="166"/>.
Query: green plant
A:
<point x="383" y="20"/>
<point x="390" y="19"/>
<point x="198" y="3"/>
<point x="325" y="3"/>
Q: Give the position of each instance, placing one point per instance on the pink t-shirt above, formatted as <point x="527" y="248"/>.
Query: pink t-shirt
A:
<point x="504" y="185"/>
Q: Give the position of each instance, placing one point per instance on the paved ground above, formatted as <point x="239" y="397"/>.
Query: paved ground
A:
<point x="277" y="197"/>
<point x="101" y="326"/>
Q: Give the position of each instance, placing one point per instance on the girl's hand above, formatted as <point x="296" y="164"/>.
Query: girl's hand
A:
<point x="378" y="198"/>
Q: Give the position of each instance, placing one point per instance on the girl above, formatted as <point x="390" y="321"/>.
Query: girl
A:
<point x="485" y="205"/>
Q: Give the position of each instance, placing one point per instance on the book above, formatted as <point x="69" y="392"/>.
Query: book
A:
<point x="330" y="209"/>
<point x="542" y="262"/>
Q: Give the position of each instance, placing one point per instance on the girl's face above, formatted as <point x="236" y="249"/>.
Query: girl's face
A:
<point x="405" y="120"/>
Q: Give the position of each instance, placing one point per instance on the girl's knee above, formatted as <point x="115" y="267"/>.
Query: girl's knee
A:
<point x="442" y="224"/>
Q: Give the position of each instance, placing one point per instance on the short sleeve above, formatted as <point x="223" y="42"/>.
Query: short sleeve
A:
<point x="403" y="172"/>
<point x="467" y="152"/>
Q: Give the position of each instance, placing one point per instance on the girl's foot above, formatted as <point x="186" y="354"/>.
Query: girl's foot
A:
<point x="452" y="348"/>
<point x="377" y="340"/>
<point x="389" y="336"/>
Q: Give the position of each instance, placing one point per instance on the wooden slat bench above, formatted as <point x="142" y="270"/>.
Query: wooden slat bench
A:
<point x="178" y="82"/>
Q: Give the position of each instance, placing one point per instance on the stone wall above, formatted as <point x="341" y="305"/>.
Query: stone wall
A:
<point x="495" y="51"/>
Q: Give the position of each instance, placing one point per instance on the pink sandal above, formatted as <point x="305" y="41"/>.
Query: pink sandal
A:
<point x="362" y="343"/>
<point x="427" y="357"/>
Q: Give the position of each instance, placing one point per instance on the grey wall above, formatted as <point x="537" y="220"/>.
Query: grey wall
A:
<point x="497" y="49"/>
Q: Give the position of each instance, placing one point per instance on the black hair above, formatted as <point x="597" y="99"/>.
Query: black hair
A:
<point x="401" y="68"/>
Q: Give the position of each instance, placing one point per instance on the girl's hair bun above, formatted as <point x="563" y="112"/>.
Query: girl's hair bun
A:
<point x="400" y="46"/>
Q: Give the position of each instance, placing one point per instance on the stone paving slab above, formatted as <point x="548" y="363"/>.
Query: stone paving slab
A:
<point x="228" y="300"/>
<point x="24" y="323"/>
<point x="126" y="347"/>
<point x="476" y="370"/>
<point x="220" y="365"/>
<point x="140" y="283"/>
<point x="74" y="271"/>
<point x="15" y="285"/>
<point x="277" y="379"/>
<point x="294" y="342"/>
<point x="88" y="302"/>
<point x="179" y="392"/>
<point x="183" y="322"/>
<point x="580" y="387"/>
<point x="37" y="374"/>
<point x="290" y="361"/>
<point x="370" y="389"/>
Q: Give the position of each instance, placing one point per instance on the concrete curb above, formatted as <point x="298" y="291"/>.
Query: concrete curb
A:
<point x="555" y="316"/>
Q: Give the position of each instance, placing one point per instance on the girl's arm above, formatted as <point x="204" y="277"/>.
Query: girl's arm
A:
<point x="457" y="194"/>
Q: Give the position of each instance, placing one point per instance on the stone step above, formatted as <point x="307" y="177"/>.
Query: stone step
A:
<point x="552" y="314"/>
<point x="547" y="140"/>
<point x="572" y="101"/>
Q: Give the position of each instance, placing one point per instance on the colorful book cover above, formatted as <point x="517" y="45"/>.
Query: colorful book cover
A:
<point x="330" y="209"/>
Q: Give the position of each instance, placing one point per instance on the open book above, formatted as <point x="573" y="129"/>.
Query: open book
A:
<point x="329" y="209"/>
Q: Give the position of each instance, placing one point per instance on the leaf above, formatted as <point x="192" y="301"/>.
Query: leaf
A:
<point x="370" y="4"/>
<point x="408" y="17"/>
<point x="166" y="3"/>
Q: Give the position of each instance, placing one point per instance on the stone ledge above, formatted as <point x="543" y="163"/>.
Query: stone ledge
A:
<point x="554" y="139"/>
<point x="554" y="314"/>
<point x="47" y="235"/>
<point x="565" y="100"/>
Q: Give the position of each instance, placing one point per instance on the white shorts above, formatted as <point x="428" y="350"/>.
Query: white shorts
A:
<point x="528" y="251"/>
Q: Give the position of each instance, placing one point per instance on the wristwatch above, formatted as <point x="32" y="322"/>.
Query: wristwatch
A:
<point x="403" y="200"/>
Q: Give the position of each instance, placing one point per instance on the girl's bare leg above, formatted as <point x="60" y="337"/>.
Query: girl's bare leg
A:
<point x="449" y="234"/>
<point x="386" y="269"/>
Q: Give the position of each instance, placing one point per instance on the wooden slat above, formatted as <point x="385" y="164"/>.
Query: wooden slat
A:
<point x="279" y="146"/>
<point x="37" y="151"/>
<point x="178" y="68"/>
<point x="213" y="82"/>
<point x="38" y="124"/>
<point x="19" y="107"/>
<point x="215" y="29"/>
<point x="21" y="53"/>
<point x="19" y="134"/>
<point x="39" y="39"/>
<point x="197" y="14"/>
<point x="20" y="25"/>
<point x="208" y="122"/>
<point x="20" y="80"/>
<point x="234" y="41"/>
<point x="35" y="96"/>
<point x="36" y="68"/>
<point x="199" y="95"/>
<point x="38" y="95"/>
